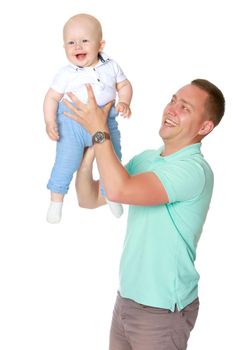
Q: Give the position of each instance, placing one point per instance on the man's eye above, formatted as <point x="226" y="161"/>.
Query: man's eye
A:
<point x="185" y="108"/>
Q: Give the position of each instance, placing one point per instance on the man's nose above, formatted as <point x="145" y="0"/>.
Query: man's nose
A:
<point x="172" y="110"/>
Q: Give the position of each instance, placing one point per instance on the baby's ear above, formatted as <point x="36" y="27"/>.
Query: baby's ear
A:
<point x="102" y="44"/>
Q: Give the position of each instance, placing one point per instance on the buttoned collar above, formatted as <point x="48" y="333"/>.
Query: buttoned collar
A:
<point x="103" y="58"/>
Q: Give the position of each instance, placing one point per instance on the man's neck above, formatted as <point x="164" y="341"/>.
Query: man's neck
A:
<point x="173" y="148"/>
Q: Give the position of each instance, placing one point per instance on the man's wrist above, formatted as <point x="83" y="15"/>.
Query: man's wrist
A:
<point x="124" y="102"/>
<point x="100" y="137"/>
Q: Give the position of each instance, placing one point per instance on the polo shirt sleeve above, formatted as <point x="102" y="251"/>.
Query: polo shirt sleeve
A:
<point x="128" y="167"/>
<point x="183" y="180"/>
<point x="119" y="74"/>
<point x="59" y="82"/>
<point x="132" y="166"/>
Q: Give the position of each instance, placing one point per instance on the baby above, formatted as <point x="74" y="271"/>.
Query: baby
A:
<point x="83" y="45"/>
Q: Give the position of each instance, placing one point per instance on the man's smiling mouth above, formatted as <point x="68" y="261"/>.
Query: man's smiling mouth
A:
<point x="170" y="123"/>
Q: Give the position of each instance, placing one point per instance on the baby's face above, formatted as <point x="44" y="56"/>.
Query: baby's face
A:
<point x="82" y="43"/>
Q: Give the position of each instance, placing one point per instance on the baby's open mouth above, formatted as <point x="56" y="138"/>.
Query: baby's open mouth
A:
<point x="80" y="56"/>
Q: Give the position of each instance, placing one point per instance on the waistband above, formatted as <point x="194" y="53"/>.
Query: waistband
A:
<point x="193" y="305"/>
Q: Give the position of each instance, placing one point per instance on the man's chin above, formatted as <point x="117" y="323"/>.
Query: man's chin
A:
<point x="162" y="133"/>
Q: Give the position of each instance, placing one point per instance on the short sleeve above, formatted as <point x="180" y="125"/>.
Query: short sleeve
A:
<point x="132" y="165"/>
<point x="119" y="74"/>
<point x="183" y="180"/>
<point x="128" y="167"/>
<point x="59" y="82"/>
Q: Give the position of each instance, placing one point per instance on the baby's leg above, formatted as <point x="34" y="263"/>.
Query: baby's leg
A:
<point x="69" y="154"/>
<point x="115" y="133"/>
<point x="57" y="197"/>
<point x="55" y="208"/>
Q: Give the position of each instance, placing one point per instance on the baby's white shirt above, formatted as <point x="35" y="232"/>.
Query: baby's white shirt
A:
<point x="103" y="78"/>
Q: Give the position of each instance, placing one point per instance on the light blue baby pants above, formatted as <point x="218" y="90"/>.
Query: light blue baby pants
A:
<point x="70" y="147"/>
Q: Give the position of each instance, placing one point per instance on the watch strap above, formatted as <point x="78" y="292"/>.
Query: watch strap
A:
<point x="107" y="136"/>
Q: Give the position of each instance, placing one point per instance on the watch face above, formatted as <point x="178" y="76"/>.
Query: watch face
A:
<point x="99" y="137"/>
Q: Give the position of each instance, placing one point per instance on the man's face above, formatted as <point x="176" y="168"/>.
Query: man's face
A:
<point x="184" y="117"/>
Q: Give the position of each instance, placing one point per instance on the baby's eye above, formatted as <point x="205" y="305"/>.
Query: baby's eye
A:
<point x="71" y="43"/>
<point x="85" y="41"/>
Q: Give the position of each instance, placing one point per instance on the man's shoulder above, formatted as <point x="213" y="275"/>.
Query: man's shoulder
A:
<point x="194" y="165"/>
<point x="148" y="154"/>
<point x="143" y="159"/>
<point x="195" y="162"/>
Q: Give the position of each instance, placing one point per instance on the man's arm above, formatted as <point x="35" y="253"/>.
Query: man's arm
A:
<point x="141" y="189"/>
<point x="88" y="189"/>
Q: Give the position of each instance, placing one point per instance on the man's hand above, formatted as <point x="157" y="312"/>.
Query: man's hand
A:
<point x="52" y="131"/>
<point x="124" y="109"/>
<point x="89" y="115"/>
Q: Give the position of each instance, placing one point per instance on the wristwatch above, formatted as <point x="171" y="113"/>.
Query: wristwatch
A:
<point x="100" y="137"/>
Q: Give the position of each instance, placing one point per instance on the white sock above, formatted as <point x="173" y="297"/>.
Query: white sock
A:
<point x="54" y="212"/>
<point x="116" y="208"/>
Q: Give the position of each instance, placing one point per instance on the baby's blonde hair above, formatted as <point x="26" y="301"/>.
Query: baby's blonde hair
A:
<point x="85" y="17"/>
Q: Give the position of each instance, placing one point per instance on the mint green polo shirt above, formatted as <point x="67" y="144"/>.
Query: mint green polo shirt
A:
<point x="157" y="264"/>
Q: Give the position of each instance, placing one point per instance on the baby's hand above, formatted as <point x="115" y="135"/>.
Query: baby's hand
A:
<point x="124" y="109"/>
<point x="52" y="131"/>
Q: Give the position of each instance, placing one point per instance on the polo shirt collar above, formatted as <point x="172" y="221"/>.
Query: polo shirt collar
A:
<point x="184" y="152"/>
<point x="103" y="58"/>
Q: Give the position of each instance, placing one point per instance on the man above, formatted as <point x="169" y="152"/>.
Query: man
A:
<point x="169" y="191"/>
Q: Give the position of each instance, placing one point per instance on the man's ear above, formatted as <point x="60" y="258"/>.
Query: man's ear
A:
<point x="206" y="128"/>
<point x="102" y="44"/>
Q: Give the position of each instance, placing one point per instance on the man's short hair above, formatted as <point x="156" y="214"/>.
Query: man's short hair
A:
<point x="215" y="104"/>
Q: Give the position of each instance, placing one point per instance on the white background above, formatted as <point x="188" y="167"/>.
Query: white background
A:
<point x="58" y="282"/>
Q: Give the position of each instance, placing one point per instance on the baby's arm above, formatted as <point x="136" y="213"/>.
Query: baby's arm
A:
<point x="51" y="101"/>
<point x="125" y="92"/>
